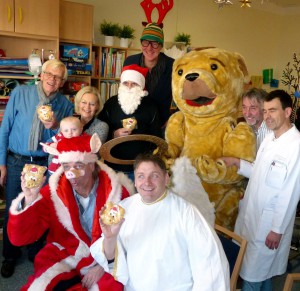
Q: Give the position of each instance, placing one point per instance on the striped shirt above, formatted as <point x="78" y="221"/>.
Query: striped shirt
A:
<point x="261" y="133"/>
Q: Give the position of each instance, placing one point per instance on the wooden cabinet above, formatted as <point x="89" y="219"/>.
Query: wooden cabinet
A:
<point x="34" y="17"/>
<point x="76" y="22"/>
<point x="7" y="15"/>
<point x="76" y="30"/>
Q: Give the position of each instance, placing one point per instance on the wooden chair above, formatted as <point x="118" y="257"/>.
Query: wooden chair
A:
<point x="290" y="280"/>
<point x="234" y="252"/>
<point x="107" y="147"/>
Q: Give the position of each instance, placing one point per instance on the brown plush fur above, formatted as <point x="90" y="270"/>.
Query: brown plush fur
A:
<point x="207" y="87"/>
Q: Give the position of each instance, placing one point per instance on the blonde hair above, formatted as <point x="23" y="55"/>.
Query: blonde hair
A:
<point x="56" y="64"/>
<point x="71" y="119"/>
<point x="85" y="90"/>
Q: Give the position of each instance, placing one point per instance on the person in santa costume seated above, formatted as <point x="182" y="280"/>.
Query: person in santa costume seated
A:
<point x="131" y="112"/>
<point x="68" y="207"/>
<point x="163" y="242"/>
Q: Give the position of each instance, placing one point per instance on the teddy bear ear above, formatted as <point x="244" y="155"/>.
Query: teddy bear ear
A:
<point x="95" y="143"/>
<point x="203" y="48"/>
<point x="242" y="64"/>
<point x="49" y="149"/>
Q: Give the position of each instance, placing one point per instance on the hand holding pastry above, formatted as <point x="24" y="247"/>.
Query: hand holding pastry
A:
<point x="33" y="175"/>
<point x="32" y="180"/>
<point x="45" y="113"/>
<point x="122" y="132"/>
<point x="112" y="214"/>
<point x="129" y="123"/>
<point x="110" y="231"/>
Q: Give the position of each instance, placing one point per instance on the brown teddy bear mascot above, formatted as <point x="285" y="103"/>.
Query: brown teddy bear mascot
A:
<point x="207" y="86"/>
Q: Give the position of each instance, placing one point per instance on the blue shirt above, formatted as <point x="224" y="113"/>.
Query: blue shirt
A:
<point x="86" y="215"/>
<point x="17" y="121"/>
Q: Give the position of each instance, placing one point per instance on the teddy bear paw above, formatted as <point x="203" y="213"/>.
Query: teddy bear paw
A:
<point x="210" y="170"/>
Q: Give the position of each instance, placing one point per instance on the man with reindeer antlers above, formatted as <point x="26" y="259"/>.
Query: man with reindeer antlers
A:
<point x="158" y="79"/>
<point x="69" y="208"/>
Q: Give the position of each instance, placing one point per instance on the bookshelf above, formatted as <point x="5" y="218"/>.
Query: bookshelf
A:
<point x="107" y="63"/>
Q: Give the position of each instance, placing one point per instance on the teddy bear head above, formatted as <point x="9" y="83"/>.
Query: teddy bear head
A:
<point x="209" y="83"/>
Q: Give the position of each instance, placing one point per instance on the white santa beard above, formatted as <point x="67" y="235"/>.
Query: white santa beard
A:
<point x="130" y="99"/>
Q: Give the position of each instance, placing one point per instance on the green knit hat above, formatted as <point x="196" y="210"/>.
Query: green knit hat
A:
<point x="153" y="32"/>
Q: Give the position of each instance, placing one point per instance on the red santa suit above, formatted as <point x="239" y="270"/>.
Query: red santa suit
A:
<point x="66" y="253"/>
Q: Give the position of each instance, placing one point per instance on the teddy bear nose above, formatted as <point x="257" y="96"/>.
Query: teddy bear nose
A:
<point x="192" y="77"/>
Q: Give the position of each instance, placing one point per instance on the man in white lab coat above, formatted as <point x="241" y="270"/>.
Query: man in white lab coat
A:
<point x="267" y="212"/>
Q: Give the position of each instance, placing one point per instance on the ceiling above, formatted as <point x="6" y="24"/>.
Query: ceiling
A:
<point x="285" y="3"/>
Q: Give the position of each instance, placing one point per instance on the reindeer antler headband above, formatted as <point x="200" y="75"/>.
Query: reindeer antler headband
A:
<point x="163" y="7"/>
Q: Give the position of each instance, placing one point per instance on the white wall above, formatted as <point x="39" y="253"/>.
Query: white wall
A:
<point x="265" y="38"/>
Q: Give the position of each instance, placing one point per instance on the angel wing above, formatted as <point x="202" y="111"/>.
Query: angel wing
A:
<point x="187" y="184"/>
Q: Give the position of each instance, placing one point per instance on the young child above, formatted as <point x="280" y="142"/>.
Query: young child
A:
<point x="69" y="127"/>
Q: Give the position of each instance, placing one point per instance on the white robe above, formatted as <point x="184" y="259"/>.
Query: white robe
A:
<point x="166" y="246"/>
<point x="269" y="203"/>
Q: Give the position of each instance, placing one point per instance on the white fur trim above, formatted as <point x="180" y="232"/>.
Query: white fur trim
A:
<point x="133" y="76"/>
<point x="127" y="183"/>
<point x="63" y="212"/>
<point x="84" y="157"/>
<point x="64" y="266"/>
<point x="16" y="202"/>
<point x="187" y="184"/>
<point x="116" y="190"/>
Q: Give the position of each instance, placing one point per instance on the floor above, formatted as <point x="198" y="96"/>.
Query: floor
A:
<point x="24" y="268"/>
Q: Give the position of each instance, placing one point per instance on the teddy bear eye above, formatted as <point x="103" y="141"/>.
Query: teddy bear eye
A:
<point x="213" y="66"/>
<point x="180" y="72"/>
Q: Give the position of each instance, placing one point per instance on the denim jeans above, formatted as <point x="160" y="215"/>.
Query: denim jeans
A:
<point x="257" y="286"/>
<point x="13" y="188"/>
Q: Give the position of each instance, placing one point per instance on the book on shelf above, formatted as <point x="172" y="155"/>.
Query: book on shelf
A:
<point x="94" y="64"/>
<point x="119" y="63"/>
<point x="4" y="61"/>
<point x="73" y="60"/>
<point x="3" y="100"/>
<point x="108" y="89"/>
<point x="112" y="62"/>
<point x="80" y="72"/>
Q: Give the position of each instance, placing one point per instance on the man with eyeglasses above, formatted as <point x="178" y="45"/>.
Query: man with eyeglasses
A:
<point x="20" y="134"/>
<point x="158" y="80"/>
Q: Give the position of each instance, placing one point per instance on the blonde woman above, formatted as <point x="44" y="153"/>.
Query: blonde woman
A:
<point x="88" y="104"/>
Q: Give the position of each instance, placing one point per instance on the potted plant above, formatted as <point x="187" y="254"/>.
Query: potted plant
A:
<point x="126" y="32"/>
<point x="183" y="37"/>
<point x="109" y="30"/>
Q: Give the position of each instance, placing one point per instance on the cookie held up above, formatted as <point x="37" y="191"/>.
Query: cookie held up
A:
<point x="33" y="175"/>
<point x="112" y="214"/>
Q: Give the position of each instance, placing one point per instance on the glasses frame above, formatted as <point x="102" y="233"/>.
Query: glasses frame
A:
<point x="56" y="78"/>
<point x="154" y="44"/>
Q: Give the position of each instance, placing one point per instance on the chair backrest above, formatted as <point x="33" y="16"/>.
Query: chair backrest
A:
<point x="105" y="150"/>
<point x="290" y="280"/>
<point x="234" y="251"/>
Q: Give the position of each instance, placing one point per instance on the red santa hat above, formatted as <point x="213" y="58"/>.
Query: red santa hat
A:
<point x="134" y="73"/>
<point x="79" y="149"/>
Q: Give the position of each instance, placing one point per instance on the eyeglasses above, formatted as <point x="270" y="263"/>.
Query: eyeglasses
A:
<point x="146" y="43"/>
<point x="56" y="78"/>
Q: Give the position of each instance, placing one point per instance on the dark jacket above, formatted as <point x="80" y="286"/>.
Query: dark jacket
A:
<point x="162" y="94"/>
<point x="148" y="122"/>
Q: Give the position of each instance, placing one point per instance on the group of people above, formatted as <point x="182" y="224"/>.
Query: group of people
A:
<point x="267" y="210"/>
<point x="162" y="235"/>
